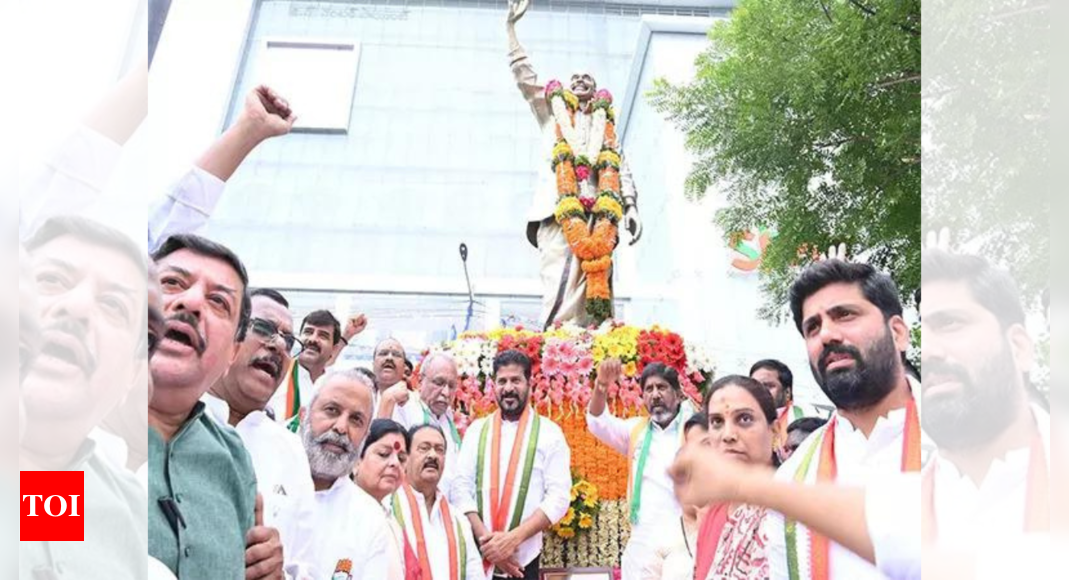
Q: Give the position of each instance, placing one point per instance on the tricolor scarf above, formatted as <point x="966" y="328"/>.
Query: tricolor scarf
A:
<point x="407" y="512"/>
<point x="827" y="470"/>
<point x="641" y="439"/>
<point x="500" y="502"/>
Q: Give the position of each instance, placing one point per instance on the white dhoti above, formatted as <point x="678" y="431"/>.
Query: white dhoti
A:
<point x="563" y="281"/>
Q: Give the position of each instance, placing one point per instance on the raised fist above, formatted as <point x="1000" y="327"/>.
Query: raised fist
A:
<point x="267" y="113"/>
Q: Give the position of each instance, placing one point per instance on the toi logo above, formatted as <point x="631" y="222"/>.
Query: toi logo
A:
<point x="52" y="506"/>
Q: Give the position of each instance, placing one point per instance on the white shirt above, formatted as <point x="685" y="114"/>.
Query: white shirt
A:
<point x="415" y="412"/>
<point x="659" y="504"/>
<point x="551" y="479"/>
<point x="982" y="520"/>
<point x="277" y="404"/>
<point x="434" y="536"/>
<point x="284" y="480"/>
<point x="77" y="171"/>
<point x="859" y="461"/>
<point x="351" y="530"/>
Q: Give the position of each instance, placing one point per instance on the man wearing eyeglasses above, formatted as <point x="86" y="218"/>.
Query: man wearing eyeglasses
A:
<point x="239" y="399"/>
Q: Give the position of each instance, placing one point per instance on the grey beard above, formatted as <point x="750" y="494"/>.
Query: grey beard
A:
<point x="324" y="464"/>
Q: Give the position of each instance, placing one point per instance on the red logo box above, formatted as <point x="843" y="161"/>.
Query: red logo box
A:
<point x="53" y="506"/>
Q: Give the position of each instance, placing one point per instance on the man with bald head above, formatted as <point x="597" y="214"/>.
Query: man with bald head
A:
<point x="438" y="383"/>
<point x="391" y="388"/>
<point x="352" y="525"/>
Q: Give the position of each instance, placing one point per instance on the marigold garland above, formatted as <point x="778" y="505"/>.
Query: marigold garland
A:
<point x="592" y="244"/>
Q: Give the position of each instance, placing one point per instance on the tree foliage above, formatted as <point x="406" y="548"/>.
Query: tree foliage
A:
<point x="807" y="114"/>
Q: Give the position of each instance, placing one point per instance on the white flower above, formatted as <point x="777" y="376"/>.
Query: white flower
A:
<point x="698" y="359"/>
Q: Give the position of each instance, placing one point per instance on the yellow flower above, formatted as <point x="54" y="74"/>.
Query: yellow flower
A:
<point x="571" y="99"/>
<point x="591" y="501"/>
<point x="630" y="369"/>
<point x="609" y="205"/>
<point x="575" y="494"/>
<point x="566" y="533"/>
<point x="585" y="522"/>
<point x="568" y="517"/>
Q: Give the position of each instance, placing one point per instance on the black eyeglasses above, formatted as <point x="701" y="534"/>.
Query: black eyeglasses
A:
<point x="268" y="330"/>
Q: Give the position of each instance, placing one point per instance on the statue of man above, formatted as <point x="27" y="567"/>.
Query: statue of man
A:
<point x="564" y="275"/>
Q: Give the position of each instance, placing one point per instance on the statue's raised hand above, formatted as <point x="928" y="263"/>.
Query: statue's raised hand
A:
<point x="517" y="8"/>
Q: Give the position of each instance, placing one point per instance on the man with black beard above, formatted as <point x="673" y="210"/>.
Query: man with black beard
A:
<point x="650" y="444"/>
<point x="850" y="316"/>
<point x="988" y="483"/>
<point x="514" y="444"/>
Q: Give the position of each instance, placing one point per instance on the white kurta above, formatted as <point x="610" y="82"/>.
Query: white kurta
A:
<point x="551" y="480"/>
<point x="672" y="554"/>
<point x="435" y="537"/>
<point x="860" y="461"/>
<point x="284" y="480"/>
<point x="353" y="534"/>
<point x="415" y="412"/>
<point x="984" y="520"/>
<point x="659" y="505"/>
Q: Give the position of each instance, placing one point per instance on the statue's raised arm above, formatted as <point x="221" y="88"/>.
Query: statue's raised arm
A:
<point x="522" y="71"/>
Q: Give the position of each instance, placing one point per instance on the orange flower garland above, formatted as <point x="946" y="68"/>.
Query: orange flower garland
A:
<point x="589" y="223"/>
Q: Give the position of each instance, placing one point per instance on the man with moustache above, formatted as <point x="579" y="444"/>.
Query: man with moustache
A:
<point x="391" y="387"/>
<point x="649" y="443"/>
<point x="90" y="287"/>
<point x="851" y="319"/>
<point x="779" y="380"/>
<point x="321" y="340"/>
<point x="438" y="384"/>
<point x="239" y="399"/>
<point x="986" y="491"/>
<point x="350" y="525"/>
<point x="441" y="536"/>
<point x="524" y="455"/>
<point x="205" y="518"/>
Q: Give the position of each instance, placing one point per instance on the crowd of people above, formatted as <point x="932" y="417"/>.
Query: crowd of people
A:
<point x="263" y="460"/>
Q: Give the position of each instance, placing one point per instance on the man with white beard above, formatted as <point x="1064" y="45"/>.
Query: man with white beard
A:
<point x="352" y="525"/>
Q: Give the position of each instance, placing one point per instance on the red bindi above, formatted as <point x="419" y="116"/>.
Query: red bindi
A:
<point x="396" y="446"/>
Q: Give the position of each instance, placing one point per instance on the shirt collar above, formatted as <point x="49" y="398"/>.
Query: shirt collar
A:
<point x="216" y="408"/>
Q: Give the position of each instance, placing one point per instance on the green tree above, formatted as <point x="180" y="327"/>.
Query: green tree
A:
<point x="809" y="115"/>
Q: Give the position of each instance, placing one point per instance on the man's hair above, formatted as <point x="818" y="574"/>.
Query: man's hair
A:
<point x="806" y="425"/>
<point x="433" y="356"/>
<point x="417" y="428"/>
<point x="662" y="371"/>
<point x="353" y="374"/>
<point x="513" y="357"/>
<point x="878" y="288"/>
<point x="409" y="366"/>
<point x="786" y="377"/>
<point x="756" y="390"/>
<point x="699" y="419"/>
<point x="205" y="247"/>
<point x="324" y="319"/>
<point x="993" y="288"/>
<point x="381" y="428"/>
<point x="92" y="232"/>
<point x="271" y="294"/>
<point x="368" y="374"/>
